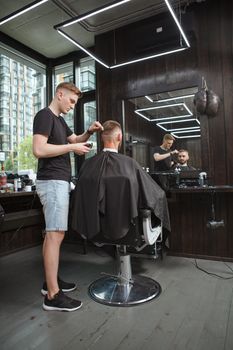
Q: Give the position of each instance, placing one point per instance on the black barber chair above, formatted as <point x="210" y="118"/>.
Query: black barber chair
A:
<point x="126" y="289"/>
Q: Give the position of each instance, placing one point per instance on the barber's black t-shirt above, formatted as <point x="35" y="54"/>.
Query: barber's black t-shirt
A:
<point x="165" y="164"/>
<point x="53" y="168"/>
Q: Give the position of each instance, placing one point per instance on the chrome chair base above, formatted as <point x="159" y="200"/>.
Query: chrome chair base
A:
<point x="110" y="290"/>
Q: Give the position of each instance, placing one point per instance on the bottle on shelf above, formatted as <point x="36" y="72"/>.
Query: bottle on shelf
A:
<point x="19" y="185"/>
<point x="16" y="184"/>
<point x="3" y="177"/>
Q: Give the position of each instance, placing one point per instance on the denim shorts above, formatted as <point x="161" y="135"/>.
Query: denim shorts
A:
<point x="54" y="196"/>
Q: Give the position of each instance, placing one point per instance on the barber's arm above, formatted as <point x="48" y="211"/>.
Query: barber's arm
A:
<point x="95" y="127"/>
<point x="158" y="157"/>
<point x="43" y="149"/>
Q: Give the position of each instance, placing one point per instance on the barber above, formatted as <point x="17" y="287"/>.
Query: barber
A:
<point x="163" y="154"/>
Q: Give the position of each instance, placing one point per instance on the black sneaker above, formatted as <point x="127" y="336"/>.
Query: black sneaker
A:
<point x="61" y="302"/>
<point x="64" y="286"/>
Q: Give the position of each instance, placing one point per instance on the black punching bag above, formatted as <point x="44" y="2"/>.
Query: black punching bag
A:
<point x="212" y="105"/>
<point x="200" y="101"/>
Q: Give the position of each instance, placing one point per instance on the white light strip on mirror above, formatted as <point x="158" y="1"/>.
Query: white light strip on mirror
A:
<point x="163" y="106"/>
<point x="21" y="11"/>
<point x="95" y="12"/>
<point x="148" y="98"/>
<point x="186" y="129"/>
<point x="177" y="121"/>
<point x="172" y="118"/>
<point x="185" y="137"/>
<point x="195" y="128"/>
<point x="143" y="116"/>
<point x="177" y="22"/>
<point x="173" y="98"/>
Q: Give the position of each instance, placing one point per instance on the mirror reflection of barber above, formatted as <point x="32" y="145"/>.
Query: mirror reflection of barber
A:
<point x="163" y="154"/>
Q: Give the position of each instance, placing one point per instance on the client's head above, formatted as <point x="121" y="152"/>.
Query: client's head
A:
<point x="183" y="156"/>
<point x="111" y="135"/>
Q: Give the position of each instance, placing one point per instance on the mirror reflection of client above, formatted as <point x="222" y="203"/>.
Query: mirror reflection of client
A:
<point x="183" y="158"/>
<point x="163" y="154"/>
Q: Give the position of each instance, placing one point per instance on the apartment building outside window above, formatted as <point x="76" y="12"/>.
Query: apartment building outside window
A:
<point x="22" y="94"/>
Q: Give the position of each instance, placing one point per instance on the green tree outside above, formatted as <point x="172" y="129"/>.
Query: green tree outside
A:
<point x="25" y="158"/>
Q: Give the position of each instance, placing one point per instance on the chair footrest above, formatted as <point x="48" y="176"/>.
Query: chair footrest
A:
<point x="111" y="291"/>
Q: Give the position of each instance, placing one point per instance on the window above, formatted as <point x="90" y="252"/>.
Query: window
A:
<point x="86" y="74"/>
<point x="89" y="118"/>
<point x="18" y="92"/>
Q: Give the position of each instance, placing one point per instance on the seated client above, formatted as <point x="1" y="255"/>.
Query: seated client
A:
<point x="96" y="209"/>
<point x="183" y="158"/>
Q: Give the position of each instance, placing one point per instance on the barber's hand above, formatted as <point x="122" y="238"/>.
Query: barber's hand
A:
<point x="80" y="148"/>
<point x="96" y="126"/>
<point x="174" y="152"/>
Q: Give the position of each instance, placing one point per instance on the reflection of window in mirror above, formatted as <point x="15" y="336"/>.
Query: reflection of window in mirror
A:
<point x="148" y="118"/>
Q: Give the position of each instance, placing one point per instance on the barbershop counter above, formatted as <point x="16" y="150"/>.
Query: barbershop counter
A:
<point x="22" y="224"/>
<point x="201" y="222"/>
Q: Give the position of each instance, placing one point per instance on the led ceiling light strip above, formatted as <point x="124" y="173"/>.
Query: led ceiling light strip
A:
<point x="177" y="22"/>
<point x="19" y="12"/>
<point x="90" y="14"/>
<point x="82" y="48"/>
<point x="147" y="57"/>
<point x="105" y="8"/>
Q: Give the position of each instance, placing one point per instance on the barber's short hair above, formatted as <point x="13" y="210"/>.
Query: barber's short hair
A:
<point x="168" y="137"/>
<point x="109" y="127"/>
<point x="183" y="150"/>
<point x="71" y="87"/>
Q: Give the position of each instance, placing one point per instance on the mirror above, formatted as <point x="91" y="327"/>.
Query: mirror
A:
<point x="147" y="118"/>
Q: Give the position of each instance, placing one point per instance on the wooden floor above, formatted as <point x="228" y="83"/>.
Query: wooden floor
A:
<point x="194" y="311"/>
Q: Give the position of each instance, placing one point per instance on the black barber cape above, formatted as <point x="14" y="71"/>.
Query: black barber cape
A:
<point x="111" y="189"/>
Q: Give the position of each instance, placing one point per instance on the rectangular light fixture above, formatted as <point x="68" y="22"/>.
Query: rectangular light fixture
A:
<point x="139" y="111"/>
<point x="21" y="11"/>
<point x="189" y="131"/>
<point x="108" y="7"/>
